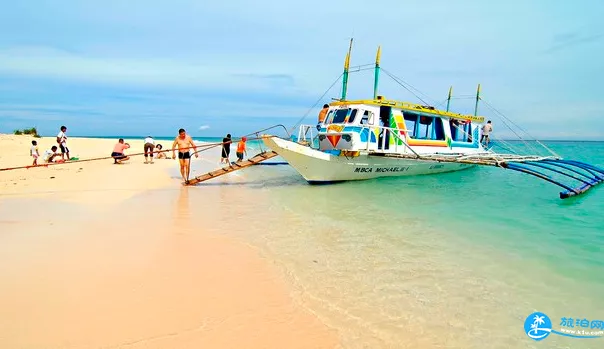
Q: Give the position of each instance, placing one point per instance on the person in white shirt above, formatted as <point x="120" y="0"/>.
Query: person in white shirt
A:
<point x="62" y="140"/>
<point x="486" y="131"/>
<point x="149" y="146"/>
<point x="34" y="152"/>
<point x="50" y="154"/>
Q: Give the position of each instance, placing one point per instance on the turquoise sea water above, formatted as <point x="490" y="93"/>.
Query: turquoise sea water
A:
<point x="452" y="260"/>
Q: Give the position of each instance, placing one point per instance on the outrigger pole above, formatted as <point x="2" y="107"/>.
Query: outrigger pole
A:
<point x="449" y="98"/>
<point x="377" y="72"/>
<point x="345" y="76"/>
<point x="477" y="99"/>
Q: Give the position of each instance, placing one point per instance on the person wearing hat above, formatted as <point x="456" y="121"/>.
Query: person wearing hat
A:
<point x="149" y="146"/>
<point x="241" y="149"/>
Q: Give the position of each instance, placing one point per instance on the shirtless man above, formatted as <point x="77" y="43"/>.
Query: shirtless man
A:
<point x="184" y="142"/>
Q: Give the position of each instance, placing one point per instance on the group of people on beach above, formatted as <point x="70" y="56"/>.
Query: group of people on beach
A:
<point x="183" y="143"/>
<point x="52" y="154"/>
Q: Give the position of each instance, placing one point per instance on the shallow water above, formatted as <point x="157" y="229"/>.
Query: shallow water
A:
<point x="452" y="260"/>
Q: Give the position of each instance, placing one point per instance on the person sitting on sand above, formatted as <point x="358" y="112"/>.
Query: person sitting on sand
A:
<point x="34" y="152"/>
<point x="241" y="149"/>
<point x="160" y="154"/>
<point x="50" y="155"/>
<point x="118" y="152"/>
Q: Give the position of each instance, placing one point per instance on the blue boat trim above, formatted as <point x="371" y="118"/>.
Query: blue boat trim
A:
<point x="272" y="163"/>
<point x="593" y="175"/>
<point x="323" y="182"/>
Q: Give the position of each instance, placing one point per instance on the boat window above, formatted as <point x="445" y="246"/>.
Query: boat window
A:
<point x="411" y="123"/>
<point x="340" y="116"/>
<point x="328" y="117"/>
<point x="430" y="128"/>
<point x="352" y="116"/>
<point x="468" y="132"/>
<point x="365" y="118"/>
<point x="461" y="131"/>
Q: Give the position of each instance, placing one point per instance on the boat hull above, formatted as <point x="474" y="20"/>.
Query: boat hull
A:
<point x="318" y="167"/>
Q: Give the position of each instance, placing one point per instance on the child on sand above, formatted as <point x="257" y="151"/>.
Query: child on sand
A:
<point x="34" y="152"/>
<point x="241" y="149"/>
<point x="50" y="154"/>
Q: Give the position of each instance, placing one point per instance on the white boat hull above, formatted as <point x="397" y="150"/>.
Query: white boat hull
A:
<point x="320" y="167"/>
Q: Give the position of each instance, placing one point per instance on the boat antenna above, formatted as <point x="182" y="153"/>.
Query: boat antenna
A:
<point x="345" y="74"/>
<point x="377" y="72"/>
<point x="449" y="98"/>
<point x="477" y="99"/>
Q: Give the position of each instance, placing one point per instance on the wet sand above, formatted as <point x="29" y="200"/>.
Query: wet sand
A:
<point x="119" y="266"/>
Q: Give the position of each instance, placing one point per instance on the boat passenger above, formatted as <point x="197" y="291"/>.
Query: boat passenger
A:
<point x="486" y="131"/>
<point x="322" y="115"/>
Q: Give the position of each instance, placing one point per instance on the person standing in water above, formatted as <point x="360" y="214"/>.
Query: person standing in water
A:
<point x="184" y="142"/>
<point x="226" y="149"/>
<point x="149" y="146"/>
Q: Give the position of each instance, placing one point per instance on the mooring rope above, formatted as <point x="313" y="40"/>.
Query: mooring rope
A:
<point x="203" y="146"/>
<point x="314" y="105"/>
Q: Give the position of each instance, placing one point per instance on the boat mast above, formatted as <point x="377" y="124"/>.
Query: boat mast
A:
<point x="346" y="67"/>
<point x="377" y="72"/>
<point x="449" y="98"/>
<point x="477" y="99"/>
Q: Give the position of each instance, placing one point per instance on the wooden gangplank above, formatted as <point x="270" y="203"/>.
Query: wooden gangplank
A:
<point x="235" y="166"/>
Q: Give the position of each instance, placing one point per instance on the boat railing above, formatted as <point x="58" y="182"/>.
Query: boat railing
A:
<point x="385" y="132"/>
<point x="306" y="134"/>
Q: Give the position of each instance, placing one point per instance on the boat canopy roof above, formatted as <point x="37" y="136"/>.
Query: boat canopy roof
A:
<point x="412" y="107"/>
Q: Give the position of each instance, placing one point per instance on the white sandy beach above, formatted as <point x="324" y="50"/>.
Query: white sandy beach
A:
<point x="97" y="255"/>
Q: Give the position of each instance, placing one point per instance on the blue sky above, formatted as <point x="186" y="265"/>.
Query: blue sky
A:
<point x="151" y="67"/>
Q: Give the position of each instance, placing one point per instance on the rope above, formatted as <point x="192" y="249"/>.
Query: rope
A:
<point x="204" y="148"/>
<point x="520" y="128"/>
<point x="403" y="83"/>
<point x="314" y="105"/>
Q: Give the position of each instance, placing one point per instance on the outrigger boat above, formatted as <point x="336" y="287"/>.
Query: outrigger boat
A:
<point x="364" y="139"/>
<point x="378" y="137"/>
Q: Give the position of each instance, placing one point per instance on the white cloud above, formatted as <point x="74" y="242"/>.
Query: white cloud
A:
<point x="204" y="127"/>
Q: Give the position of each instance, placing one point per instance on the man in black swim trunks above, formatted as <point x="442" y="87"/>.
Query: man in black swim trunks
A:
<point x="184" y="143"/>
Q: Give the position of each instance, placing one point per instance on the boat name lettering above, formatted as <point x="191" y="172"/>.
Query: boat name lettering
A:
<point x="436" y="166"/>
<point x="381" y="169"/>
